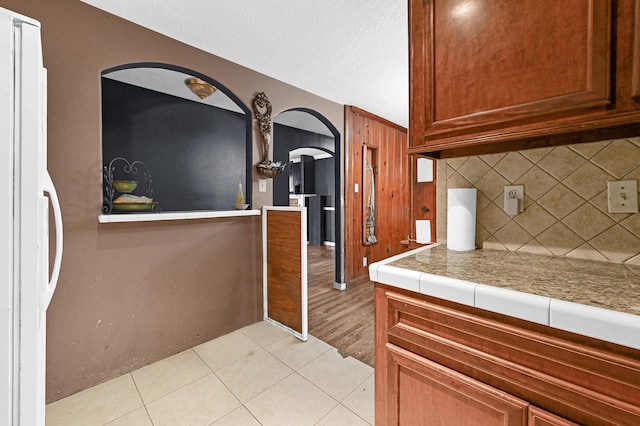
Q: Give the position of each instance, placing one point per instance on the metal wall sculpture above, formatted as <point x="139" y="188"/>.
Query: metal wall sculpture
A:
<point x="262" y="110"/>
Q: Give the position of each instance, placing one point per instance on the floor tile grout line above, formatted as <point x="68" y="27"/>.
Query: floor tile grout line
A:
<point x="258" y="343"/>
<point x="316" y="358"/>
<point x="359" y="384"/>
<point x="233" y="393"/>
<point x="243" y="404"/>
<point x="128" y="412"/>
<point x="181" y="387"/>
<point x="280" y="359"/>
<point x="301" y="367"/>
<point x="144" y="404"/>
<point x="202" y="359"/>
<point x="324" y="392"/>
<point x="265" y="390"/>
<point x="352" y="392"/>
<point x="341" y="403"/>
<point x="212" y="373"/>
<point x="346" y="408"/>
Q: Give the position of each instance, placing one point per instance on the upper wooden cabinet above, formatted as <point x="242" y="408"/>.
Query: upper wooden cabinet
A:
<point x="489" y="76"/>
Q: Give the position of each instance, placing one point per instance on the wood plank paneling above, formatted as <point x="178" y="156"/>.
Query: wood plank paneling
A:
<point x="393" y="191"/>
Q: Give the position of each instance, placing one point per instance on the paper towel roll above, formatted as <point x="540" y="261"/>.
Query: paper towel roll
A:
<point x="461" y="219"/>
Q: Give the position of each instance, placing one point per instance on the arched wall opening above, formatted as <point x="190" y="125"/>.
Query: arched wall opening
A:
<point x="196" y="150"/>
<point x="305" y="134"/>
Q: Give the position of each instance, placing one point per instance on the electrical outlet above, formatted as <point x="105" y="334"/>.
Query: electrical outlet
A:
<point x="514" y="191"/>
<point x="623" y="196"/>
<point x="364" y="261"/>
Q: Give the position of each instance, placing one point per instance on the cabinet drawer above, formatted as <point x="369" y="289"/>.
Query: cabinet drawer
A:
<point x="538" y="417"/>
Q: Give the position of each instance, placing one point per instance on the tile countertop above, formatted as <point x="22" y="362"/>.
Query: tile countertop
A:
<point x="596" y="299"/>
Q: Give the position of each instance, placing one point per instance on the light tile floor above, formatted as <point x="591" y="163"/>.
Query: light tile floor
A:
<point x="258" y="375"/>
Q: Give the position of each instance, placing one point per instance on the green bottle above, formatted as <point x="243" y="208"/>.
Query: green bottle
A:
<point x="240" y="195"/>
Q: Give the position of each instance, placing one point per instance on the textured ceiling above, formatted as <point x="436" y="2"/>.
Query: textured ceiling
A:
<point x="353" y="52"/>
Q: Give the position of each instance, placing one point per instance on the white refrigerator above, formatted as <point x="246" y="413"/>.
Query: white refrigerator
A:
<point x="27" y="283"/>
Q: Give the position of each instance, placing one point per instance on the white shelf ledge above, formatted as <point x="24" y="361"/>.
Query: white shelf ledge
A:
<point x="153" y="217"/>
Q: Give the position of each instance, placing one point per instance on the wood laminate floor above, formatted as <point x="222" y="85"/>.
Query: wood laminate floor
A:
<point x="344" y="319"/>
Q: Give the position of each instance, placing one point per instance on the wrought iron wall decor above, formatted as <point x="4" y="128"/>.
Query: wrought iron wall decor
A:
<point x="369" y="171"/>
<point x="262" y="110"/>
<point x="113" y="186"/>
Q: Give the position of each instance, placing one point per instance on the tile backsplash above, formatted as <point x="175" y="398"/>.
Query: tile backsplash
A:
<point x="565" y="200"/>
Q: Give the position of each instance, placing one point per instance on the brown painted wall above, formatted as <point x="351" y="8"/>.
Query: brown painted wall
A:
<point x="392" y="191"/>
<point x="130" y="294"/>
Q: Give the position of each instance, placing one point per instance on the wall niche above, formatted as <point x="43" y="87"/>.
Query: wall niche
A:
<point x="196" y="150"/>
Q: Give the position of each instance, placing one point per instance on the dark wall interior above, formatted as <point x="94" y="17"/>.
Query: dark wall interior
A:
<point x="325" y="179"/>
<point x="326" y="167"/>
<point x="196" y="153"/>
<point x="287" y="139"/>
<point x="310" y="177"/>
<point x="307" y="176"/>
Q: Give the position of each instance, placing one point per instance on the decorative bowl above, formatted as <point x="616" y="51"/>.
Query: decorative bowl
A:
<point x="241" y="206"/>
<point x="134" y="207"/>
<point x="269" y="169"/>
<point x="125" y="186"/>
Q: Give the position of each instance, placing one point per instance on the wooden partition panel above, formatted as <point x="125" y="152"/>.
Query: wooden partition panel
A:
<point x="285" y="268"/>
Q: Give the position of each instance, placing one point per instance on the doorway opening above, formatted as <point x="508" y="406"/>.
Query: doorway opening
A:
<point x="310" y="144"/>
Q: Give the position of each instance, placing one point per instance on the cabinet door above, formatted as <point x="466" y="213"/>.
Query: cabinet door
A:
<point x="635" y="54"/>
<point x="421" y="392"/>
<point x="486" y="68"/>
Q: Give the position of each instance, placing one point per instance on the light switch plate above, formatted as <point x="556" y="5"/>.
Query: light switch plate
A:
<point x="262" y="185"/>
<point x="623" y="196"/>
<point x="423" y="231"/>
<point x="425" y="170"/>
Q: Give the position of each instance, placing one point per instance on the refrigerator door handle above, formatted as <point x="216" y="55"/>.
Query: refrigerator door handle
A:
<point x="50" y="288"/>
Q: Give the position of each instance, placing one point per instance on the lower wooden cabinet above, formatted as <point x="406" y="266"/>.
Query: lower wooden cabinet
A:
<point x="441" y="363"/>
